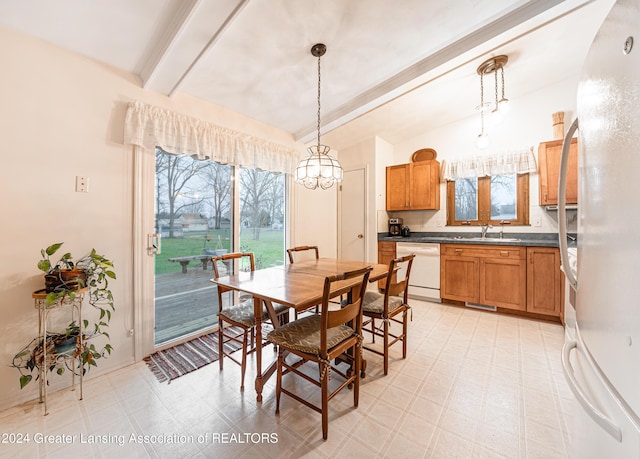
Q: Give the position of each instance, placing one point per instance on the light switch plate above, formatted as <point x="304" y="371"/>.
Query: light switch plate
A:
<point x="537" y="221"/>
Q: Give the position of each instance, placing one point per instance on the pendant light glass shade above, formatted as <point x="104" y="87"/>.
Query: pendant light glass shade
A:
<point x="318" y="170"/>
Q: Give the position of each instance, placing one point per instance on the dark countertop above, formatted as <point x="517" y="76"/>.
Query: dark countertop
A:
<point x="523" y="239"/>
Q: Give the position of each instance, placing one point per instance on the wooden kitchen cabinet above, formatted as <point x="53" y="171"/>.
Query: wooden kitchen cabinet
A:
<point x="526" y="279"/>
<point x="491" y="275"/>
<point x="459" y="278"/>
<point x="549" y="164"/>
<point x="544" y="281"/>
<point x="503" y="282"/>
<point x="386" y="253"/>
<point x="413" y="186"/>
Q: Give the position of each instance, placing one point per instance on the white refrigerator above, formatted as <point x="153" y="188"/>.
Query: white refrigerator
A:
<point x="601" y="360"/>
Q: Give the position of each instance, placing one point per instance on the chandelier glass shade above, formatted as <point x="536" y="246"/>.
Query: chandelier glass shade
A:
<point x="318" y="170"/>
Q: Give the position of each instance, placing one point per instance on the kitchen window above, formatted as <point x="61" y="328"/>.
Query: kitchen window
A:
<point x="491" y="189"/>
<point x="491" y="200"/>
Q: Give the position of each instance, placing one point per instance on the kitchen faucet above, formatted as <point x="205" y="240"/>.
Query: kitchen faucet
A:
<point x="485" y="228"/>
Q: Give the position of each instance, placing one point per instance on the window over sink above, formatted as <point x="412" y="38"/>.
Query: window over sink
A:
<point x="495" y="199"/>
<point x="489" y="189"/>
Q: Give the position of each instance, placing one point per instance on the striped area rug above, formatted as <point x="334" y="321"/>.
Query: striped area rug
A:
<point x="184" y="358"/>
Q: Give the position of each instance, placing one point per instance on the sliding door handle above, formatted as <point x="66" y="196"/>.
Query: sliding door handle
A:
<point x="154" y="246"/>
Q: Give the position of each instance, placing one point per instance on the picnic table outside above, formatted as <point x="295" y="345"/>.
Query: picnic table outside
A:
<point x="204" y="258"/>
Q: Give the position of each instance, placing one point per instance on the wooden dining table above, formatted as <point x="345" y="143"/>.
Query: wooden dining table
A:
<point x="297" y="285"/>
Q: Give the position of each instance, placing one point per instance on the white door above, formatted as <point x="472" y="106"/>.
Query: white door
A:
<point x="353" y="213"/>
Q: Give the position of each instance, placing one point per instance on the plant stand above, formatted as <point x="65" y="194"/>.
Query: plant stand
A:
<point x="72" y="353"/>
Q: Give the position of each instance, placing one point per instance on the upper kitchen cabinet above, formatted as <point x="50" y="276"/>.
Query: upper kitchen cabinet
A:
<point x="414" y="186"/>
<point x="549" y="163"/>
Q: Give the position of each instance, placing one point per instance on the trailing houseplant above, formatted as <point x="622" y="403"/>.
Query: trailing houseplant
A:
<point x="63" y="279"/>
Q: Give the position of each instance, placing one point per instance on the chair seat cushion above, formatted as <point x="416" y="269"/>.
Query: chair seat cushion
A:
<point x="374" y="303"/>
<point x="304" y="335"/>
<point x="279" y="308"/>
<point x="242" y="313"/>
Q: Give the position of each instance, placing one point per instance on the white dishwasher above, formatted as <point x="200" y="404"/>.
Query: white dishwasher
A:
<point x="424" y="282"/>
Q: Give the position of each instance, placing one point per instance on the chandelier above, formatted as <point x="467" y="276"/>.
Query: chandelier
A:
<point x="318" y="169"/>
<point x="499" y="107"/>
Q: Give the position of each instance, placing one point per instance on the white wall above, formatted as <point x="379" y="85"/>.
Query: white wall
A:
<point x="314" y="215"/>
<point x="62" y="116"/>
<point x="529" y="122"/>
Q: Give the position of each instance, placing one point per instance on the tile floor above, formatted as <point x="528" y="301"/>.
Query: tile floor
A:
<point x="475" y="385"/>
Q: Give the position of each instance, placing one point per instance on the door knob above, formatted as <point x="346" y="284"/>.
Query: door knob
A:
<point x="360" y="236"/>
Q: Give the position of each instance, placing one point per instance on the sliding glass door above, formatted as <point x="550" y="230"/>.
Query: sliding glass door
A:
<point x="195" y="207"/>
<point x="194" y="216"/>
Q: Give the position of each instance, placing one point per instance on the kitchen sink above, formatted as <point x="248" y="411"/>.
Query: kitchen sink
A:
<point x="486" y="239"/>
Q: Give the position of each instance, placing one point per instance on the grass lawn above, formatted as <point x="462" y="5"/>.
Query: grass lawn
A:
<point x="268" y="251"/>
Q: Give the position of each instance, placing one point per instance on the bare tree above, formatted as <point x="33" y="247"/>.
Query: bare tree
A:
<point x="275" y="199"/>
<point x="176" y="172"/>
<point x="218" y="178"/>
<point x="256" y="197"/>
<point x="466" y="198"/>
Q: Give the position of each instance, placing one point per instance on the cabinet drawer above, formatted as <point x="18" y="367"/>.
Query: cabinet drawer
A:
<point x="484" y="251"/>
<point x="386" y="246"/>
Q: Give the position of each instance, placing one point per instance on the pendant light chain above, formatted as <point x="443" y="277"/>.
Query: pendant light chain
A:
<point x="481" y="104"/>
<point x="495" y="79"/>
<point x="319" y="101"/>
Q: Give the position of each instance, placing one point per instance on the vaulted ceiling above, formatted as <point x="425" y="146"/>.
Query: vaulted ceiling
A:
<point x="391" y="68"/>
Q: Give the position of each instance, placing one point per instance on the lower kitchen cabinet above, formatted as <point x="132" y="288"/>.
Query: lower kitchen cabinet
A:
<point x="459" y="277"/>
<point x="519" y="278"/>
<point x="544" y="281"/>
<point x="386" y="253"/>
<point x="491" y="275"/>
<point x="503" y="282"/>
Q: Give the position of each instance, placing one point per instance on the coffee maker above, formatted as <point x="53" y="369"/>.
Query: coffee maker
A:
<point x="395" y="227"/>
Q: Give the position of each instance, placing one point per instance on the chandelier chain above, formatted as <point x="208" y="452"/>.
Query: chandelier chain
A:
<point x="318" y="100"/>
<point x="502" y="80"/>
<point x="495" y="79"/>
<point x="481" y="104"/>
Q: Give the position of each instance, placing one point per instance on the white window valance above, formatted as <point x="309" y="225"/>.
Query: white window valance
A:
<point x="148" y="127"/>
<point x="511" y="162"/>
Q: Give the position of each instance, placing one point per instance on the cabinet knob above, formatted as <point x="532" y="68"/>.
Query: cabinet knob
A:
<point x="360" y="236"/>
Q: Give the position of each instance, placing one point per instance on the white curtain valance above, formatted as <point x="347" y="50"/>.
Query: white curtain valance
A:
<point x="512" y="162"/>
<point x="148" y="127"/>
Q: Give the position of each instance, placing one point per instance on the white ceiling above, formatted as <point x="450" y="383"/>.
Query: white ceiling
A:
<point x="392" y="69"/>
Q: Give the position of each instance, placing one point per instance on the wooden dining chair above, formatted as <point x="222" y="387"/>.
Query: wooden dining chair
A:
<point x="321" y="339"/>
<point x="240" y="316"/>
<point x="308" y="249"/>
<point x="302" y="248"/>
<point x="386" y="307"/>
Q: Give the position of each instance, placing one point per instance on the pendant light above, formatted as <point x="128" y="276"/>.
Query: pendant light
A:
<point x="318" y="170"/>
<point x="491" y="65"/>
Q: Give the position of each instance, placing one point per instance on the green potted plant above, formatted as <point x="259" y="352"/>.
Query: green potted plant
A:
<point x="63" y="279"/>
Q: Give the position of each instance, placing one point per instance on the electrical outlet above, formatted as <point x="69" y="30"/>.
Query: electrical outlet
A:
<point x="537" y="221"/>
<point x="439" y="223"/>
<point x="82" y="184"/>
